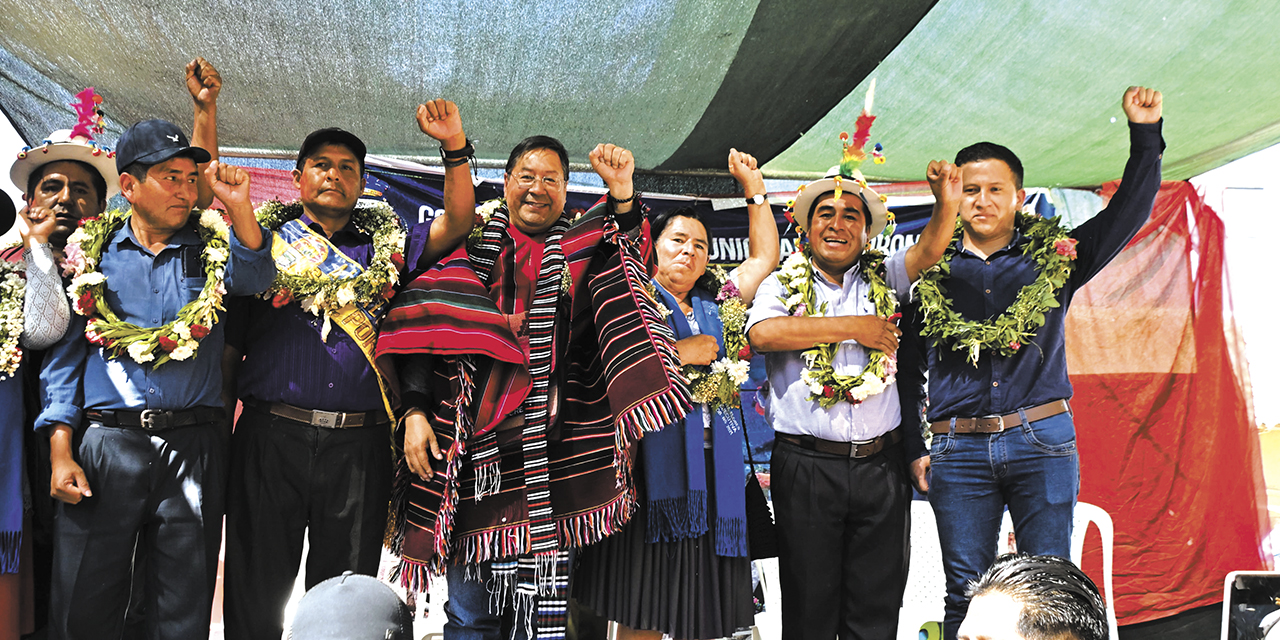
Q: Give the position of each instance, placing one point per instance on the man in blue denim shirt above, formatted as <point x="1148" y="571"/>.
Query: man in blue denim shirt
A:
<point x="151" y="461"/>
<point x="1002" y="427"/>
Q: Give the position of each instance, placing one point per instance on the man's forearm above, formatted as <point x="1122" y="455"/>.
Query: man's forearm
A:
<point x="204" y="134"/>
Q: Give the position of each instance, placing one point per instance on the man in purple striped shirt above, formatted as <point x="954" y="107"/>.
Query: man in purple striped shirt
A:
<point x="311" y="451"/>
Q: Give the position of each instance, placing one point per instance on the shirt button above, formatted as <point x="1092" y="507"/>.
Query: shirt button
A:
<point x="155" y="291"/>
<point x="330" y="385"/>
<point x="995" y="384"/>
<point x="151" y="390"/>
<point x="988" y="291"/>
<point x="986" y="261"/>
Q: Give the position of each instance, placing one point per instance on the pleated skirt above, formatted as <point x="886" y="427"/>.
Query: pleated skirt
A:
<point x="680" y="588"/>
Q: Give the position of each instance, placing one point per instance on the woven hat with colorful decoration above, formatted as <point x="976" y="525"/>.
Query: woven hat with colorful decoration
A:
<point x="72" y="144"/>
<point x="847" y="178"/>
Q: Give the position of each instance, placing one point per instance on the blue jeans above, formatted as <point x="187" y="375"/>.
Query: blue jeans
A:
<point x="467" y="610"/>
<point x="1033" y="469"/>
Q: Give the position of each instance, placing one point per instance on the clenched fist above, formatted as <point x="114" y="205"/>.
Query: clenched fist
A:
<point x="440" y="119"/>
<point x="1142" y="105"/>
<point x="229" y="182"/>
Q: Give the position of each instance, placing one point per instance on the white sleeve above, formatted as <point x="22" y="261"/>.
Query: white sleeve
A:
<point x="45" y="312"/>
<point x="896" y="276"/>
<point x="767" y="303"/>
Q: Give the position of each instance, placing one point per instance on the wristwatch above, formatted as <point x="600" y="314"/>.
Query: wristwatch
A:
<point x="758" y="198"/>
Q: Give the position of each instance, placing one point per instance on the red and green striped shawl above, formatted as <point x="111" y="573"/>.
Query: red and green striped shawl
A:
<point x="617" y="372"/>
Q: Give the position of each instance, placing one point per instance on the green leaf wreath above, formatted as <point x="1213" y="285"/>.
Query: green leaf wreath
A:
<point x="317" y="293"/>
<point x="1054" y="253"/>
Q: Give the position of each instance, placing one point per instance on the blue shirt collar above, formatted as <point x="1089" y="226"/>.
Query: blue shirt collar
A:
<point x="187" y="235"/>
<point x="1015" y="241"/>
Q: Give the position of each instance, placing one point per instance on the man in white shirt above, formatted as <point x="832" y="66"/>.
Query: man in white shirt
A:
<point x="841" y="463"/>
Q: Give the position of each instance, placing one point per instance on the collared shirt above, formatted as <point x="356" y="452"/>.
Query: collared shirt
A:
<point x="788" y="407"/>
<point x="284" y="358"/>
<point x="147" y="290"/>
<point x="983" y="288"/>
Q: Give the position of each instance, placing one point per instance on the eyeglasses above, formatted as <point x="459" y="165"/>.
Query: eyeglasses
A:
<point x="527" y="181"/>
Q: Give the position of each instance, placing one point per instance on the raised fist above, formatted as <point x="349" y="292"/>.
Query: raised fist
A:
<point x="439" y="119"/>
<point x="944" y="182"/>
<point x="615" y="166"/>
<point x="203" y="81"/>
<point x="1142" y="104"/>
<point x="229" y="182"/>
<point x="744" y="168"/>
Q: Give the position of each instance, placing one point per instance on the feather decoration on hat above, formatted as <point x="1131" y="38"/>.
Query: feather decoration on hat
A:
<point x="91" y="120"/>
<point x="855" y="152"/>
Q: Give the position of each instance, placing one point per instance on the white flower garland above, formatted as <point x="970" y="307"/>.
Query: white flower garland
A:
<point x="12" y="292"/>
<point x="819" y="374"/>
<point x="177" y="340"/>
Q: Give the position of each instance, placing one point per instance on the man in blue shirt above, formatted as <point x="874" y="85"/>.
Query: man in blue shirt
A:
<point x="1002" y="428"/>
<point x="313" y="444"/>
<point x="137" y="435"/>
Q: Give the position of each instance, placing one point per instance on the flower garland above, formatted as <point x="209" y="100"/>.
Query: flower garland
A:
<point x="12" y="292"/>
<point x="484" y="213"/>
<point x="825" y="385"/>
<point x="325" y="292"/>
<point x="1054" y="253"/>
<point x="717" y="386"/>
<point x="177" y="340"/>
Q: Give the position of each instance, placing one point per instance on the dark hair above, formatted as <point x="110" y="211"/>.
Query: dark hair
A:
<point x="866" y="208"/>
<point x="1057" y="598"/>
<point x="659" y="222"/>
<point x="99" y="183"/>
<point x="991" y="151"/>
<point x="320" y="138"/>
<point x="533" y="143"/>
<point x="138" y="170"/>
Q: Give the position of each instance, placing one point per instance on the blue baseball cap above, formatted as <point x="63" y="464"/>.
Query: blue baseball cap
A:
<point x="153" y="142"/>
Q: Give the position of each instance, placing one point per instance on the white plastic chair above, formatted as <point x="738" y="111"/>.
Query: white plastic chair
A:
<point x="1085" y="514"/>
<point x="926" y="583"/>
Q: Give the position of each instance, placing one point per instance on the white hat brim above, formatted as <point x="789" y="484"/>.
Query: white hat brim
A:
<point x="849" y="184"/>
<point x="32" y="159"/>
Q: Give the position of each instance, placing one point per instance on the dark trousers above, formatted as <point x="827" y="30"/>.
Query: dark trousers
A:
<point x="287" y="477"/>
<point x="160" y="493"/>
<point x="843" y="542"/>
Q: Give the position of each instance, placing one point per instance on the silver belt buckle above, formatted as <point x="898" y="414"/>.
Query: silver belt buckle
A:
<point x="150" y="417"/>
<point x="326" y="419"/>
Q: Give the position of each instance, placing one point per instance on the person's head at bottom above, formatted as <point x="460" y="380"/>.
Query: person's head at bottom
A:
<point x="351" y="607"/>
<point x="1024" y="597"/>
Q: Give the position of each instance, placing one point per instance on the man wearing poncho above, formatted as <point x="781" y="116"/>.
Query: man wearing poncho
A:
<point x="529" y="359"/>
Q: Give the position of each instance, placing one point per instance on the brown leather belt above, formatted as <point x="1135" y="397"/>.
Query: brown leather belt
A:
<point x="996" y="424"/>
<point x="863" y="449"/>
<point x="322" y="419"/>
<point x="156" y="419"/>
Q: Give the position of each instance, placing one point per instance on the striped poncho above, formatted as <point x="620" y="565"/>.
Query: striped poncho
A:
<point x="615" y="375"/>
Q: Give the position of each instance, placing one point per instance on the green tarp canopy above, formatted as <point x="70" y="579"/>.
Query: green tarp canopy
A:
<point x="677" y="81"/>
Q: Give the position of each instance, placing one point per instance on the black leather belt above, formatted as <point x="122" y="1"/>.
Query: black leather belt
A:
<point x="322" y="419"/>
<point x="996" y="424"/>
<point x="156" y="419"/>
<point x="864" y="449"/>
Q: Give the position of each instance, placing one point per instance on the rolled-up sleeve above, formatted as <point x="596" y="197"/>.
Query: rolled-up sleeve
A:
<point x="248" y="271"/>
<point x="896" y="277"/>
<point x="62" y="379"/>
<point x="768" y="302"/>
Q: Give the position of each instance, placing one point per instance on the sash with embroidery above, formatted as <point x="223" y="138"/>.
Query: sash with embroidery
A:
<point x="300" y="251"/>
